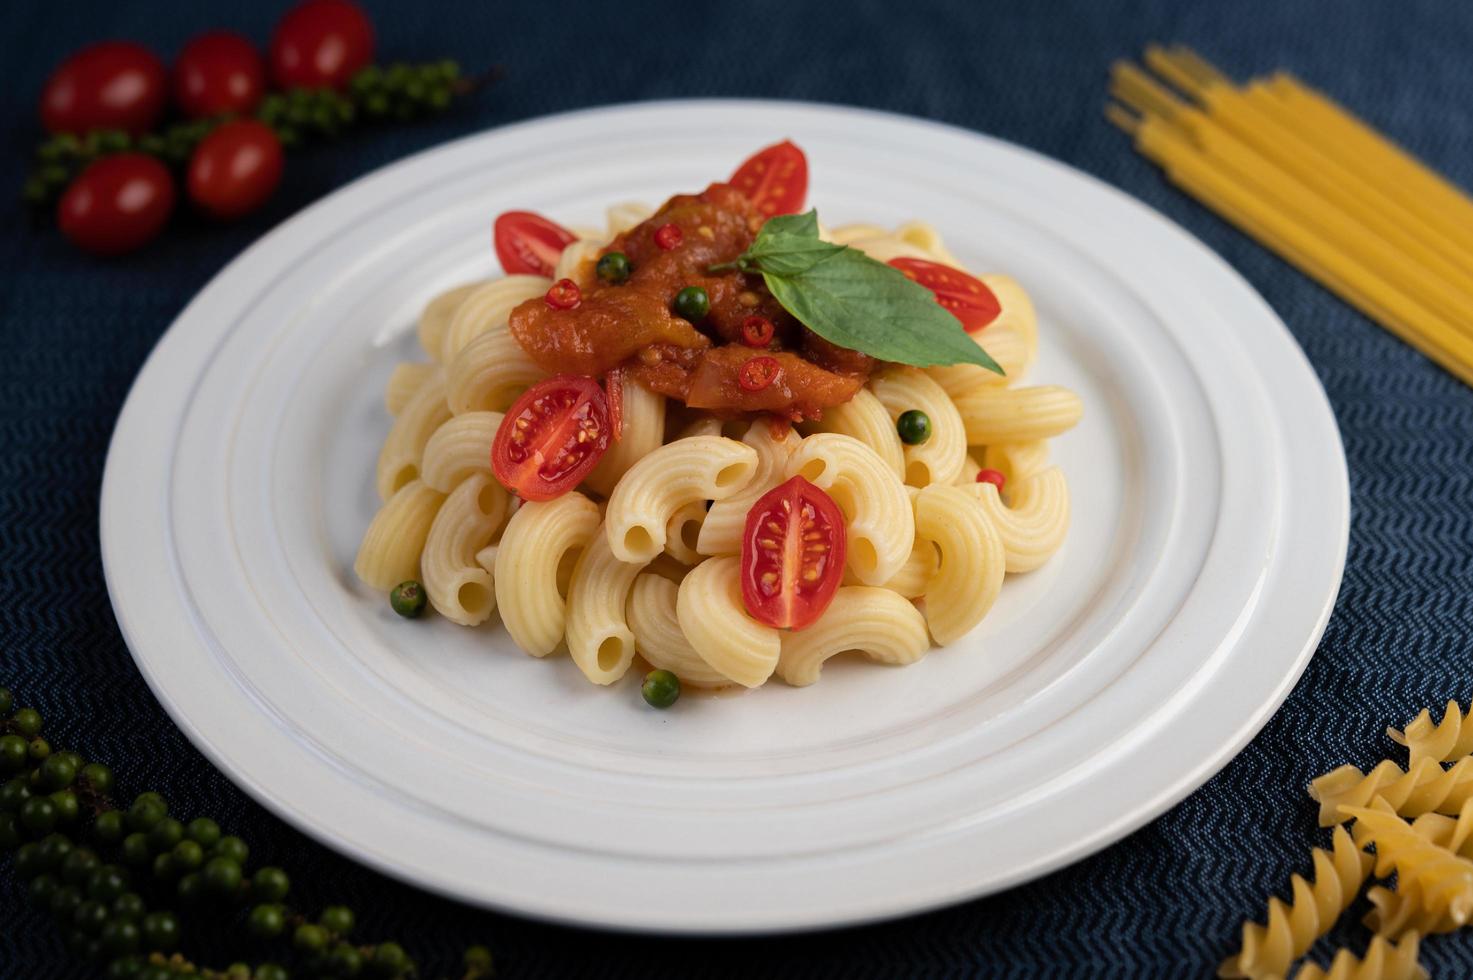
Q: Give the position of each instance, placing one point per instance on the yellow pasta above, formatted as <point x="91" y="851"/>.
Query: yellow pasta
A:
<point x="970" y="469"/>
<point x="863" y="417"/>
<point x="488" y="308"/>
<point x="686" y="470"/>
<point x="576" y="261"/>
<point x="434" y="321"/>
<point x="390" y="550"/>
<point x="721" y="531"/>
<point x="399" y="460"/>
<point x="622" y="217"/>
<point x="599" y="638"/>
<point x="970" y="573"/>
<point x="1424" y="788"/>
<point x="657" y="635"/>
<point x="1011" y="340"/>
<point x="924" y="236"/>
<point x="1443" y="879"/>
<point x="455" y="583"/>
<point x="877" y="511"/>
<point x="1291" y="929"/>
<point x="534" y="564"/>
<point x="489" y="373"/>
<point x="458" y="449"/>
<point x="1018" y="414"/>
<point x="941" y="457"/>
<point x="1016" y="461"/>
<point x="714" y="620"/>
<point x="1449" y="739"/>
<point x="643" y="433"/>
<point x="407" y="378"/>
<point x="1383" y="961"/>
<point x="878" y="623"/>
<point x="1035" y="521"/>
<point x="683" y="530"/>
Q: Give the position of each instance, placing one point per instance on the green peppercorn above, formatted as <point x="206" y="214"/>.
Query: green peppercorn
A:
<point x="78" y="866"/>
<point x="270" y="971"/>
<point x="222" y="875"/>
<point x="129" y="905"/>
<point x="68" y="807"/>
<point x="55" y="848"/>
<point x="270" y="884"/>
<point x="14" y="794"/>
<point x="29" y="861"/>
<point x="660" y="689"/>
<point x="478" y="959"/>
<point x="203" y="831"/>
<point x="27" y="721"/>
<point x="267" y="920"/>
<point x="161" y="931"/>
<point x="65" y="902"/>
<point x="7" y="700"/>
<point x="125" y="968"/>
<point x="108" y="827"/>
<point x="309" y="938"/>
<point x="76" y="760"/>
<point x="107" y="883"/>
<point x="135" y="849"/>
<point x="164" y="867"/>
<point x="38" y="815"/>
<point x="10" y="835"/>
<point x="187" y="856"/>
<point x="147" y="810"/>
<point x="231" y="847"/>
<point x="13" y="752"/>
<point x="613" y="268"/>
<point x="692" y="303"/>
<point x="165" y="834"/>
<point x="408" y="599"/>
<point x="337" y="919"/>
<point x="390" y="959"/>
<point x="42" y="887"/>
<point x="152" y="144"/>
<point x="191" y="888"/>
<point x="345" y="961"/>
<point x="440" y="99"/>
<point x="120" y="937"/>
<point x="98" y="776"/>
<point x="38" y="749"/>
<point x="91" y="916"/>
<point x="914" y="427"/>
<point x="155" y="971"/>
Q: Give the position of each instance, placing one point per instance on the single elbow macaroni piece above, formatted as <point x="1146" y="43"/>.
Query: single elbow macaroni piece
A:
<point x="1383" y="961"/>
<point x="864" y="418"/>
<point x="458" y="449"/>
<point x="1449" y="739"/>
<point x="876" y="622"/>
<point x="1035" y="522"/>
<point x="1007" y="347"/>
<point x="657" y="634"/>
<point x="488" y="308"/>
<point x="940" y="458"/>
<point x="849" y="234"/>
<point x="407" y="378"/>
<point x="924" y="236"/>
<point x="599" y="638"/>
<point x="721" y="531"/>
<point x="644" y="432"/>
<point x="1018" y="414"/>
<point x="534" y="564"/>
<point x="877" y="510"/>
<point x="709" y="609"/>
<point x="970" y="469"/>
<point x="391" y="547"/>
<point x="576" y="261"/>
<point x="621" y="217"/>
<point x="683" y="531"/>
<point x="1268" y="950"/>
<point x="699" y="468"/>
<point x="1016" y="461"/>
<point x="456" y="584"/>
<point x="489" y="373"/>
<point x="972" y="561"/>
<point x="434" y="322"/>
<point x="399" y="460"/>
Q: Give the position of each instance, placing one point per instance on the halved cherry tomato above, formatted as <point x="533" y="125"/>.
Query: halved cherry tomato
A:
<point x="614" y="386"/>
<point x="965" y="297"/>
<point x="551" y="437"/>
<point x="793" y="550"/>
<point x="529" y="244"/>
<point x="774" y="178"/>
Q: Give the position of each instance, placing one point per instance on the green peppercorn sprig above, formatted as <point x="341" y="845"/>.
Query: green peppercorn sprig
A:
<point x="58" y="817"/>
<point x="399" y="92"/>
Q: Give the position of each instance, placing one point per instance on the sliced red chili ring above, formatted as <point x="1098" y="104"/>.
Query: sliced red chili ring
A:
<point x="758" y="373"/>
<point x="614" y="388"/>
<point x="564" y="295"/>
<point x="669" y="236"/>
<point x="757" y="331"/>
<point x="993" y="477"/>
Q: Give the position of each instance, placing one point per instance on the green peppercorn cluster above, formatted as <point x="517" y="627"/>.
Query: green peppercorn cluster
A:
<point x="399" y="92"/>
<point x="111" y="876"/>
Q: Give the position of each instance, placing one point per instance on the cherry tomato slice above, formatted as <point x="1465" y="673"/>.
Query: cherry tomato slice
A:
<point x="112" y="85"/>
<point x="235" y="169"/>
<point x="320" y="44"/>
<point x="774" y="178"/>
<point x="117" y="204"/>
<point x="614" y="386"/>
<point x="217" y="73"/>
<point x="551" y="437"/>
<point x="529" y="244"/>
<point x="965" y="297"/>
<point x="793" y="550"/>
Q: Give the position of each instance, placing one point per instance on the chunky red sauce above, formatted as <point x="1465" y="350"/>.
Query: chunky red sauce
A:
<point x="632" y="323"/>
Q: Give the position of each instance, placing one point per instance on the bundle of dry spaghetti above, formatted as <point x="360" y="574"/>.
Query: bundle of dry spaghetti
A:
<point x="1312" y="182"/>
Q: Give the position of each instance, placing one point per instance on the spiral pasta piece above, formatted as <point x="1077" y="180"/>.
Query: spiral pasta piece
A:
<point x="1425" y="788"/>
<point x="455" y="583"/>
<point x="534" y="564"/>
<point x="721" y="531"/>
<point x="876" y="622"/>
<point x="657" y="634"/>
<point x="1018" y="414"/>
<point x="864" y="418"/>
<point x="941" y="457"/>
<point x="599" y="638"/>
<point x="1383" y="961"/>
<point x="407" y="378"/>
<point x="709" y="609"/>
<point x="678" y="473"/>
<point x="970" y="573"/>
<point x="391" y="547"/>
<point x="1291" y="929"/>
<point x="1442" y="879"/>
<point x="399" y="460"/>
<point x="1034" y="523"/>
<point x="459" y="449"/>
<point x="1444" y="741"/>
<point x="1405" y="910"/>
<point x="488" y="308"/>
<point x="434" y="321"/>
<point x="489" y="373"/>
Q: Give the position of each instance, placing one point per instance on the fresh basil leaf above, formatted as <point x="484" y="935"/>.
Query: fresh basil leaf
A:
<point x="784" y="254"/>
<point x="790" y="224"/>
<point x="851" y="300"/>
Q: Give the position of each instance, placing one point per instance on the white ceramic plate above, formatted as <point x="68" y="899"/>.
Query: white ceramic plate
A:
<point x="1210" y="518"/>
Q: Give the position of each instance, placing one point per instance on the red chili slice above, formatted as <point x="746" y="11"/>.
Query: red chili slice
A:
<point x="993" y="477"/>
<point x="564" y="295"/>
<point x="793" y="550"/>
<point x="774" y="178"/>
<point x="759" y="372"/>
<point x="757" y="331"/>
<point x="669" y="236"/>
<point x="965" y="297"/>
<point x="529" y="244"/>
<point x="551" y="437"/>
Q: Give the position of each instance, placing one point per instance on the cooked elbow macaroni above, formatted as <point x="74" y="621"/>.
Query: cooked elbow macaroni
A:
<point x="699" y="468"/>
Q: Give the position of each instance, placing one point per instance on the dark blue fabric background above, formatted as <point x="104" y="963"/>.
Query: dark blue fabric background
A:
<point x="1165" y="902"/>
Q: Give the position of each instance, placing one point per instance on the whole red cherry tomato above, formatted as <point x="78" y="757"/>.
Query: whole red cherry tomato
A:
<point x="321" y="44"/>
<point x="235" y="169"/>
<point x="112" y="85"/>
<point x="216" y="73"/>
<point x="117" y="204"/>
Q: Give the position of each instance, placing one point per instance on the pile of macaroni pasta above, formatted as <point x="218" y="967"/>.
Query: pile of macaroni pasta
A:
<point x="1419" y="822"/>
<point x="643" y="558"/>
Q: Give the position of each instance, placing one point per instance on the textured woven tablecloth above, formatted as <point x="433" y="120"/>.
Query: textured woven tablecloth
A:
<point x="1165" y="902"/>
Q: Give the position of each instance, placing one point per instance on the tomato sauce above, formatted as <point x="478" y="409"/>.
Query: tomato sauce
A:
<point x="631" y="324"/>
